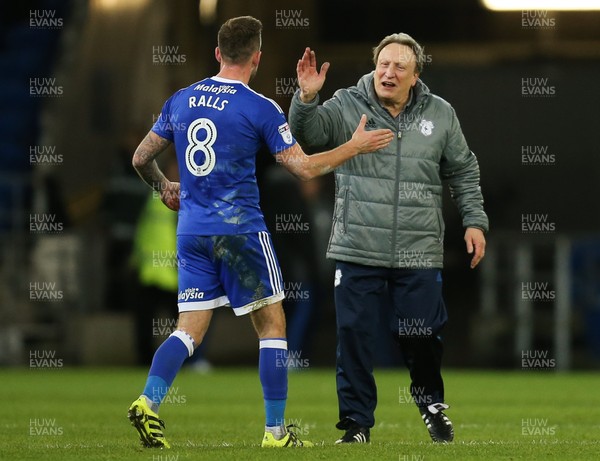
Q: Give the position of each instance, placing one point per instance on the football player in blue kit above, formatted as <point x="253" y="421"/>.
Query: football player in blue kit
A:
<point x="224" y="249"/>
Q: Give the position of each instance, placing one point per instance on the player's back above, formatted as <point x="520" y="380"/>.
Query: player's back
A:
<point x="218" y="126"/>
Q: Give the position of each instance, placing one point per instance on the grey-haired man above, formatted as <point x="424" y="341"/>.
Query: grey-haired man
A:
<point x="387" y="234"/>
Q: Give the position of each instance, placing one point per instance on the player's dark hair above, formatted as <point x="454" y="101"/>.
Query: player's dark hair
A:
<point x="239" y="38"/>
<point x="402" y="39"/>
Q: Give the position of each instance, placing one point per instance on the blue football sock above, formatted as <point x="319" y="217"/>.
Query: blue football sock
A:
<point x="272" y="369"/>
<point x="167" y="361"/>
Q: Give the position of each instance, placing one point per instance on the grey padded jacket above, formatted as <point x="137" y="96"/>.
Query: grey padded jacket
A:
<point x="388" y="204"/>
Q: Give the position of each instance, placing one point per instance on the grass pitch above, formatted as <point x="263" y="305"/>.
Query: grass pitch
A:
<point x="80" y="414"/>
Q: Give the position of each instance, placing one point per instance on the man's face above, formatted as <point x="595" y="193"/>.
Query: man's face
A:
<point x="395" y="73"/>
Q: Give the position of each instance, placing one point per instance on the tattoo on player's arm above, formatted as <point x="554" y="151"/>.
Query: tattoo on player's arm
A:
<point x="150" y="148"/>
<point x="144" y="160"/>
<point x="152" y="176"/>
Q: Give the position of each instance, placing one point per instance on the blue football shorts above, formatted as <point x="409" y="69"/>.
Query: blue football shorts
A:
<point x="240" y="271"/>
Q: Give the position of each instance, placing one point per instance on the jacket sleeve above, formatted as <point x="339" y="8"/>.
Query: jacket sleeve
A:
<point x="315" y="126"/>
<point x="460" y="169"/>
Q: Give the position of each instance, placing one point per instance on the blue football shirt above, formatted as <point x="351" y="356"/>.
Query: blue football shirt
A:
<point x="218" y="126"/>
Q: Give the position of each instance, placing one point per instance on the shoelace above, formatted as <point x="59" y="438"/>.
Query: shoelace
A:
<point x="294" y="440"/>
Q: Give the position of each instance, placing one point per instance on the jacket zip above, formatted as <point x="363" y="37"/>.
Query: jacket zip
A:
<point x="397" y="182"/>
<point x="401" y="117"/>
<point x="396" y="199"/>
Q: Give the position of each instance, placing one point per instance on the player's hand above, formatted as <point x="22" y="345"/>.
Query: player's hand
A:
<point x="372" y="140"/>
<point x="475" y="244"/>
<point x="309" y="80"/>
<point x="169" y="195"/>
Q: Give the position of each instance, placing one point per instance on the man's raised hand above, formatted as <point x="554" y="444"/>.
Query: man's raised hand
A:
<point x="309" y="80"/>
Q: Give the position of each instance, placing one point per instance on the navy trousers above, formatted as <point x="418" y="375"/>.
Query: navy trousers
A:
<point x="418" y="313"/>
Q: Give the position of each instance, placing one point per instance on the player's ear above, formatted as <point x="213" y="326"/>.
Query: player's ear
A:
<point x="218" y="54"/>
<point x="256" y="58"/>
